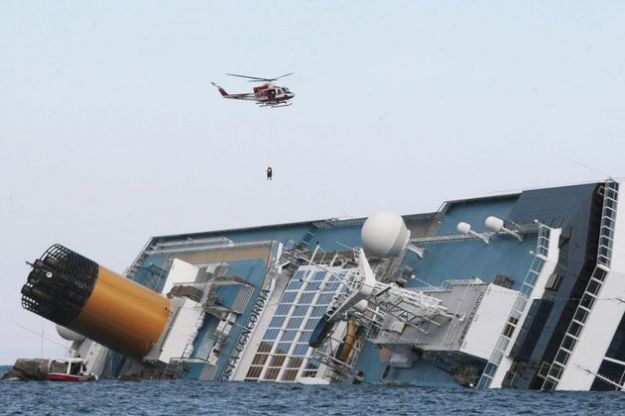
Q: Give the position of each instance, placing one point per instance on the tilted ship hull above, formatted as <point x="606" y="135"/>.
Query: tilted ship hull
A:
<point x="511" y="291"/>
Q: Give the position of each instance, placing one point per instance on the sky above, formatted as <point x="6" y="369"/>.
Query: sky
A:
<point x="111" y="132"/>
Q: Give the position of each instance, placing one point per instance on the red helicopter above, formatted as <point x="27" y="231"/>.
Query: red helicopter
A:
<point x="266" y="95"/>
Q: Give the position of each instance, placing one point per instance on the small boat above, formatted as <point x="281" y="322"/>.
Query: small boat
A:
<point x="70" y="369"/>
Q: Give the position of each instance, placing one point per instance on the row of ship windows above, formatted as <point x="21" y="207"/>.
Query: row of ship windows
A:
<point x="272" y="374"/>
<point x="298" y="285"/>
<point x="300" y="311"/>
<point x="289" y="374"/>
<point x="301" y="348"/>
<point x="313" y="276"/>
<point x="288" y="335"/>
<point x="307" y="297"/>
<point x="278" y="361"/>
<point x="293" y="323"/>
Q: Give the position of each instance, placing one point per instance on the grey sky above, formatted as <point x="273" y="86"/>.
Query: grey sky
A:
<point x="110" y="131"/>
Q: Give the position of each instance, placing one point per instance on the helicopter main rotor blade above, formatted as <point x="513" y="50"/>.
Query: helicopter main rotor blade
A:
<point x="248" y="77"/>
<point x="282" y="76"/>
<point x="259" y="79"/>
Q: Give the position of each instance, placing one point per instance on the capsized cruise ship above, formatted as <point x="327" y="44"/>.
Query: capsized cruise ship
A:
<point x="525" y="291"/>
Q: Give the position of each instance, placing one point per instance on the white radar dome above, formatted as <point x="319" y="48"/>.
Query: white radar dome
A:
<point x="68" y="334"/>
<point x="385" y="234"/>
<point x="494" y="224"/>
<point x="464" y="228"/>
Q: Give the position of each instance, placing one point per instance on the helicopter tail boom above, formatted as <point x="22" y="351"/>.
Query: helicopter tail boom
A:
<point x="225" y="94"/>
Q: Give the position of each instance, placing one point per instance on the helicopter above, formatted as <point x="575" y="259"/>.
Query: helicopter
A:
<point x="265" y="95"/>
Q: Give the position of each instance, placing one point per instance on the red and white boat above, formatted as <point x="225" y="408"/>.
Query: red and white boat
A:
<point x="70" y="369"/>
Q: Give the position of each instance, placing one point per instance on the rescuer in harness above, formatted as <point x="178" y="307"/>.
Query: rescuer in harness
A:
<point x="269" y="173"/>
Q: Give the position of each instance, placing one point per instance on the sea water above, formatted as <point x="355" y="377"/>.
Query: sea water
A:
<point x="204" y="398"/>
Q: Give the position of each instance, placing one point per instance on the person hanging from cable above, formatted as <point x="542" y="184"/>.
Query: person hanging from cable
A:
<point x="269" y="173"/>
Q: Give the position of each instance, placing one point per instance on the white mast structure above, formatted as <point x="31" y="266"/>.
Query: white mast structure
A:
<point x="369" y="301"/>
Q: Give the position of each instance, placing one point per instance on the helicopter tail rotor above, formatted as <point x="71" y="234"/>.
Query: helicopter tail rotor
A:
<point x="221" y="90"/>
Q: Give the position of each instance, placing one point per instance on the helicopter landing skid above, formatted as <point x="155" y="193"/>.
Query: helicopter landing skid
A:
<point x="276" y="105"/>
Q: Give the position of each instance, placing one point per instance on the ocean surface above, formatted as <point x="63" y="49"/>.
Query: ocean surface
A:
<point x="201" y="398"/>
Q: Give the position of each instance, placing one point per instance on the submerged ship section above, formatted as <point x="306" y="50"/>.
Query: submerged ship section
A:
<point x="514" y="291"/>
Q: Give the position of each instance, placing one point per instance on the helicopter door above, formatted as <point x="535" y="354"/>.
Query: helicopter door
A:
<point x="271" y="94"/>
